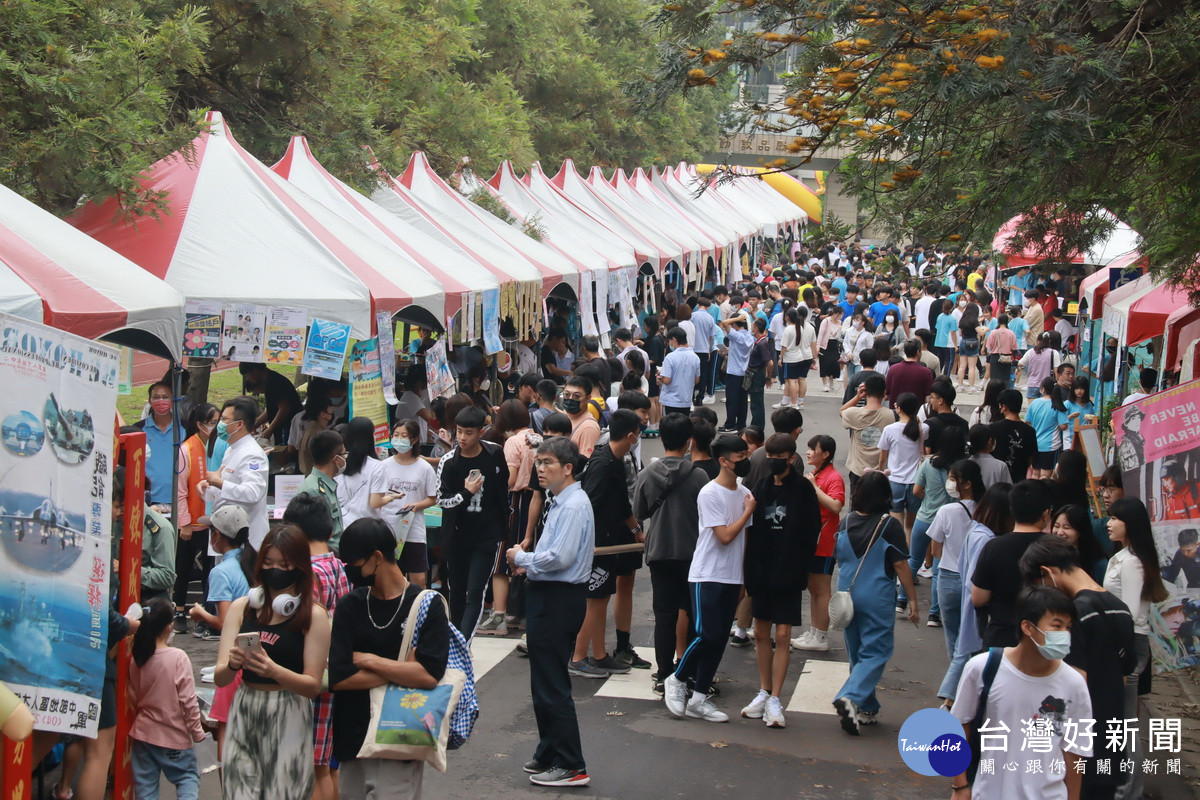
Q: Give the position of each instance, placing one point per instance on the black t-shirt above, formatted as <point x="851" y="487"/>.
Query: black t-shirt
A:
<point x="603" y="481"/>
<point x="482" y="516"/>
<point x="353" y="631"/>
<point x="940" y="422"/>
<point x="998" y="571"/>
<point x="861" y="529"/>
<point x="1103" y="628"/>
<point x="656" y="348"/>
<point x="710" y="467"/>
<point x="1016" y="442"/>
<point x="279" y="391"/>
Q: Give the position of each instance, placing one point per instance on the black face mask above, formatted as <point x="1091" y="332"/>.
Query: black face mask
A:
<point x="742" y="468"/>
<point x="356" y="577"/>
<point x="571" y="405"/>
<point x="778" y="465"/>
<point x="278" y="579"/>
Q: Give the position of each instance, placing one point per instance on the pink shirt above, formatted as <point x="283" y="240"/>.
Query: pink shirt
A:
<point x="518" y="453"/>
<point x="164" y="694"/>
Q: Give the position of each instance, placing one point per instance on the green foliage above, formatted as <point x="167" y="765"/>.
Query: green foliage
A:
<point x="956" y="116"/>
<point x="92" y="93"/>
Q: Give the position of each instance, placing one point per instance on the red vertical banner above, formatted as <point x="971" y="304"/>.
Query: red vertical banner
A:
<point x="133" y="450"/>
<point x="18" y="770"/>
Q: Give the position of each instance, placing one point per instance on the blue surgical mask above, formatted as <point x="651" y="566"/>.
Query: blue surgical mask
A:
<point x="1057" y="646"/>
<point x="401" y="445"/>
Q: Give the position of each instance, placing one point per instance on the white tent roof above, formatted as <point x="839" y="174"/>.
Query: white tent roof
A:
<point x="735" y="201"/>
<point x="487" y="231"/>
<point x="665" y="203"/>
<point x="569" y="228"/>
<point x="455" y="276"/>
<point x="649" y="246"/>
<point x="708" y="208"/>
<point x="54" y="274"/>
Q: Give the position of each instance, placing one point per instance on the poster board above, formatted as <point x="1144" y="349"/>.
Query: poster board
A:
<point x="1087" y="440"/>
<point x="366" y="387"/>
<point x="56" y="464"/>
<point x="244" y="333"/>
<point x="1158" y="451"/>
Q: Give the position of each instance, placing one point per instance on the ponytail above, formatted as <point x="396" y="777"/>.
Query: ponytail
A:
<point x="910" y="406"/>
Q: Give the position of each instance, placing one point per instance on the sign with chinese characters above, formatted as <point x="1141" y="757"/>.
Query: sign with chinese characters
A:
<point x="366" y="387"/>
<point x="57" y="412"/>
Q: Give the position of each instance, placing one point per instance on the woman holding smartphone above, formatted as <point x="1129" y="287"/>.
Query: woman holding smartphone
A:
<point x="280" y="646"/>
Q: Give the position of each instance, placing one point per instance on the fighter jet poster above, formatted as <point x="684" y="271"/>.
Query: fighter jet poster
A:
<point x="56" y="417"/>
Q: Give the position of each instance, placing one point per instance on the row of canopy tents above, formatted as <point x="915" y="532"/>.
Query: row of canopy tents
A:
<point x="233" y="230"/>
<point x="1120" y="299"/>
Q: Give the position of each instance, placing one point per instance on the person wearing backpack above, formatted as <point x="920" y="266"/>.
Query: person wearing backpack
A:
<point x="368" y="631"/>
<point x="1102" y="647"/>
<point x="1011" y="690"/>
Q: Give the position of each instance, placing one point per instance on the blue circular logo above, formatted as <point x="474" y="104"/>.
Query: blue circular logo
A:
<point x="931" y="743"/>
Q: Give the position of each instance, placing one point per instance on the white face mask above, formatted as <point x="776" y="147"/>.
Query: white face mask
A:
<point x="485" y="384"/>
<point x="858" y="325"/>
<point x="952" y="488"/>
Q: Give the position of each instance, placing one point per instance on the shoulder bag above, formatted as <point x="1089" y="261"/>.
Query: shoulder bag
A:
<point x="841" y="604"/>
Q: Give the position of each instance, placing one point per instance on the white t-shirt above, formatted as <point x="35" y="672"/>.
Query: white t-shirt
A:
<point x="689" y="328"/>
<point x="921" y="311"/>
<point x="714" y="562"/>
<point x="950" y="526"/>
<point x="904" y="455"/>
<point x="416" y="481"/>
<point x="1125" y="578"/>
<point x="798" y="349"/>
<point x="408" y="407"/>
<point x="354" y="492"/>
<point x="1051" y="708"/>
<point x="776" y="328"/>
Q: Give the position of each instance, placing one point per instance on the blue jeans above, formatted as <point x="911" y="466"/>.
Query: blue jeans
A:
<point x="916" y="557"/>
<point x="178" y="765"/>
<point x="949" y="593"/>
<point x="852" y="369"/>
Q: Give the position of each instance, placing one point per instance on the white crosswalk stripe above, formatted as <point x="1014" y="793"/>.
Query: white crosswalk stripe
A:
<point x="635" y="685"/>
<point x="487" y="652"/>
<point x="817" y="686"/>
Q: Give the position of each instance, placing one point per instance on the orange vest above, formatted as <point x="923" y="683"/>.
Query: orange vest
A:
<point x="196" y="453"/>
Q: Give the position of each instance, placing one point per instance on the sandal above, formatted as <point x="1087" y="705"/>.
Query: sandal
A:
<point x="56" y="796"/>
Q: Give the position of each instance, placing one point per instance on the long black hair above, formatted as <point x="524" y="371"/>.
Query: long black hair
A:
<point x="359" y="438"/>
<point x="910" y="405"/>
<point x="991" y="397"/>
<point x="1071" y="478"/>
<point x="156" y="616"/>
<point x="992" y="510"/>
<point x="1081" y="522"/>
<point x="1050" y="389"/>
<point x="951" y="446"/>
<point x="1139" y="538"/>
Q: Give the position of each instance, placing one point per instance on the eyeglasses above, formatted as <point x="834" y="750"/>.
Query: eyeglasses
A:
<point x="543" y="462"/>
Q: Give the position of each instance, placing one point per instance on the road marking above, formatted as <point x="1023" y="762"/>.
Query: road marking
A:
<point x="817" y="686"/>
<point x="486" y="653"/>
<point x="635" y="685"/>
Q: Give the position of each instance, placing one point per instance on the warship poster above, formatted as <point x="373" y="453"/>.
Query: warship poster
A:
<point x="56" y="413"/>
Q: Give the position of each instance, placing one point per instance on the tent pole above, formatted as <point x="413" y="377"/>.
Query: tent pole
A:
<point x="176" y="387"/>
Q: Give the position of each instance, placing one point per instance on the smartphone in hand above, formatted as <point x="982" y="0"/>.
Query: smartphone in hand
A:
<point x="250" y="643"/>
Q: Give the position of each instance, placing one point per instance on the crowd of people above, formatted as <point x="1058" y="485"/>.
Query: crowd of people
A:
<point x="549" y="512"/>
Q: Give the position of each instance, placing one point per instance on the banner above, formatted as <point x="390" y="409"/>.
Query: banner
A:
<point x="437" y="371"/>
<point x="243" y="337"/>
<point x="202" y="329"/>
<point x="325" y="351"/>
<point x="491" y="322"/>
<point x="56" y="466"/>
<point x="366" y="387"/>
<point x="285" y="336"/>
<point x="1158" y="451"/>
<point x="387" y="355"/>
<point x="125" y="381"/>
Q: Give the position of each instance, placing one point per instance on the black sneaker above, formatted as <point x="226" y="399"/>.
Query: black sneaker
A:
<point x="632" y="659"/>
<point x="199" y="630"/>
<point x="738" y="641"/>
<point x="935" y="621"/>
<point x="901" y="607"/>
<point x="712" y="692"/>
<point x="181" y="622"/>
<point x="656" y="685"/>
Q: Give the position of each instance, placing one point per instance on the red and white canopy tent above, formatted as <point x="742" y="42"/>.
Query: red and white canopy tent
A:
<point x="503" y="241"/>
<point x="1181" y="332"/>
<point x="457" y="275"/>
<point x="231" y="234"/>
<point x="56" y="275"/>
<point x="713" y="213"/>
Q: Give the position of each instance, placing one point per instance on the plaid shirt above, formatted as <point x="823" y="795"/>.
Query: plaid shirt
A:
<point x="330" y="579"/>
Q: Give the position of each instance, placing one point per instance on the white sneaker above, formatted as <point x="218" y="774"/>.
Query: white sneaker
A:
<point x="701" y="707"/>
<point x="827" y="388"/>
<point x="812" y="640"/>
<point x="925" y="572"/>
<point x="709" y="400"/>
<point x="208" y="670"/>
<point x="781" y="403"/>
<point x="773" y="716"/>
<point x="755" y="709"/>
<point x="675" y="695"/>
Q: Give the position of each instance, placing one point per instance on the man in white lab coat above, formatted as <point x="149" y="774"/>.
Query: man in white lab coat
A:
<point x="242" y="478"/>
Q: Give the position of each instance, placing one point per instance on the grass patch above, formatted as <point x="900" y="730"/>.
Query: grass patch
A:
<point x="222" y="386"/>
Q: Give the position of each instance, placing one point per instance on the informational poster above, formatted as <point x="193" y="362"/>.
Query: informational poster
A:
<point x="325" y="351"/>
<point x="366" y="387"/>
<point x="286" y="487"/>
<point x="57" y="413"/>
<point x="1158" y="450"/>
<point x="585" y="304"/>
<point x="125" y="381"/>
<point x="202" y="329"/>
<point x="387" y="356"/>
<point x="285" y="336"/>
<point x="243" y="336"/>
<point x="491" y="322"/>
<point x="437" y="371"/>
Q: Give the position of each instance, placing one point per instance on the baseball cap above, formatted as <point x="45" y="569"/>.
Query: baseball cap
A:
<point x="229" y="520"/>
